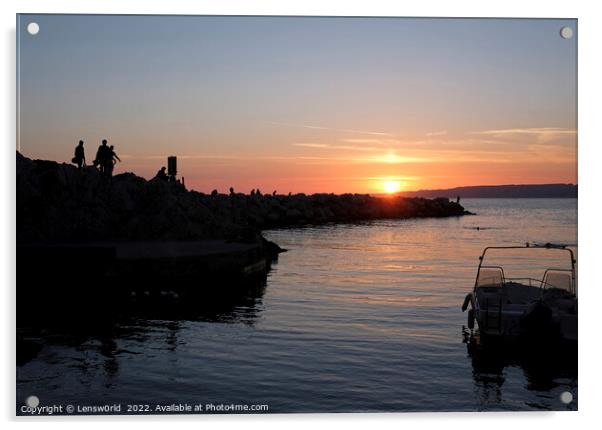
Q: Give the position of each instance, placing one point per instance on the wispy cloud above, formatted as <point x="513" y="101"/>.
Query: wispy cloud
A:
<point x="311" y="145"/>
<point x="390" y="178"/>
<point x="326" y="146"/>
<point x="538" y="134"/>
<point x="181" y="157"/>
<point x="213" y="157"/>
<point x="342" y="130"/>
<point x="382" y="142"/>
<point x="541" y="130"/>
<point x="393" y="158"/>
<point x="390" y="157"/>
<point x="437" y="133"/>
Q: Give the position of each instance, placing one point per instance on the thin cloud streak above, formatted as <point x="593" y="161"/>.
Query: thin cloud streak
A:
<point x="541" y="135"/>
<point x="343" y="130"/>
<point x="326" y="146"/>
<point x="221" y="157"/>
<point x="437" y="133"/>
<point x="392" y="142"/>
<point x="542" y="130"/>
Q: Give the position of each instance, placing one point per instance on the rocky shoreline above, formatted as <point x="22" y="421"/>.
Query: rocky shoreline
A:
<point x="84" y="239"/>
<point x="59" y="203"/>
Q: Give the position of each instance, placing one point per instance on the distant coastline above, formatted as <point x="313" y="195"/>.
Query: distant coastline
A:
<point x="528" y="191"/>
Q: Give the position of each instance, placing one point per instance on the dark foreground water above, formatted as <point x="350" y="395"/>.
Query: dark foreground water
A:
<point x="353" y="318"/>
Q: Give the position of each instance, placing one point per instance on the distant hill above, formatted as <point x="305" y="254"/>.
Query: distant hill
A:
<point x="501" y="191"/>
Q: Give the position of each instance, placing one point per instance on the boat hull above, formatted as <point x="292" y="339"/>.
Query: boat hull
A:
<point x="496" y="317"/>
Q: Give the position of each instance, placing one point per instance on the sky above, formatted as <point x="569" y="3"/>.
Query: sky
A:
<point x="305" y="104"/>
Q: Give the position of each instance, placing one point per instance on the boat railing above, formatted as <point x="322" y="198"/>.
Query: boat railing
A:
<point x="531" y="282"/>
<point x="500" y="279"/>
<point x="537" y="283"/>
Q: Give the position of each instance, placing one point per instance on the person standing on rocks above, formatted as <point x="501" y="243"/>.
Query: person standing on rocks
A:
<point x="113" y="159"/>
<point x="107" y="159"/>
<point x="80" y="157"/>
<point x="103" y="157"/>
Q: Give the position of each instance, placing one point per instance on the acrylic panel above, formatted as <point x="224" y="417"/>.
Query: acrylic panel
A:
<point x="269" y="214"/>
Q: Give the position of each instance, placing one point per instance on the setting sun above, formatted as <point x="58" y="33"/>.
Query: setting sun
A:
<point x="391" y="187"/>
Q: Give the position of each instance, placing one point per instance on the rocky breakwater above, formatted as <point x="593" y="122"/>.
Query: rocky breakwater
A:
<point x="59" y="203"/>
<point x="80" y="231"/>
<point x="277" y="211"/>
<point x="90" y="244"/>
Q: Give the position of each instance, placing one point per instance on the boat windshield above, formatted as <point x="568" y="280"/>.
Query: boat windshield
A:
<point x="558" y="279"/>
<point x="534" y="266"/>
<point x="490" y="277"/>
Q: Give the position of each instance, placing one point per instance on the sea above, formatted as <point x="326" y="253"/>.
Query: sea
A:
<point x="353" y="318"/>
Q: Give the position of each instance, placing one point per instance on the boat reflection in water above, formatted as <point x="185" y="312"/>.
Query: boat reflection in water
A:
<point x="550" y="368"/>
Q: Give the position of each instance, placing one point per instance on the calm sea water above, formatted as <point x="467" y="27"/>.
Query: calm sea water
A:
<point x="353" y="318"/>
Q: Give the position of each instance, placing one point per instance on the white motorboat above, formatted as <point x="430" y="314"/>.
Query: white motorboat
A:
<point x="542" y="308"/>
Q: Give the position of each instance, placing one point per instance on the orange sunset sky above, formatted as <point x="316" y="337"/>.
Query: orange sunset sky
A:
<point x="305" y="104"/>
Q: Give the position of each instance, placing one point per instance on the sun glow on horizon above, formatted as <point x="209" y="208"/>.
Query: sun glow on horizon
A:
<point x="391" y="186"/>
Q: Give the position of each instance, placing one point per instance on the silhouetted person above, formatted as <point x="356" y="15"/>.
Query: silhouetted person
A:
<point x="214" y="193"/>
<point x="113" y="159"/>
<point x="161" y="174"/>
<point x="103" y="157"/>
<point x="107" y="158"/>
<point x="114" y="156"/>
<point x="231" y="191"/>
<point x="274" y="193"/>
<point x="458" y="199"/>
<point x="253" y="192"/>
<point x="80" y="157"/>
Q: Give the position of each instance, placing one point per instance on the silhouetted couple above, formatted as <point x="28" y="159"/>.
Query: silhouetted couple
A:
<point x="106" y="158"/>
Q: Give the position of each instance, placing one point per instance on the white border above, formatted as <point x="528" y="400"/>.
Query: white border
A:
<point x="590" y="138"/>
